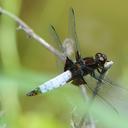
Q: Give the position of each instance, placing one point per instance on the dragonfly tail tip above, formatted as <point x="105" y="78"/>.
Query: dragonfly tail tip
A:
<point x="33" y="92"/>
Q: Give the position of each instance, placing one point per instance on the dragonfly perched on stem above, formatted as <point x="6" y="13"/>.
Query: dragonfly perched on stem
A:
<point x="75" y="71"/>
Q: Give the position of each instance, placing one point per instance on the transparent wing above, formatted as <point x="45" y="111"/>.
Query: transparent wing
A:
<point x="108" y="82"/>
<point x="72" y="32"/>
<point x="67" y="46"/>
<point x="56" y="37"/>
<point x="102" y="99"/>
<point x="70" y="45"/>
<point x="105" y="90"/>
<point x="58" y="44"/>
<point x="99" y="82"/>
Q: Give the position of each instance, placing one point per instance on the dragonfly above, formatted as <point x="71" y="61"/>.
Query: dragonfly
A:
<point x="76" y="70"/>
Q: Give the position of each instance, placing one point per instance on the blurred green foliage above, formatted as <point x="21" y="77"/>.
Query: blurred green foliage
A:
<point x="24" y="64"/>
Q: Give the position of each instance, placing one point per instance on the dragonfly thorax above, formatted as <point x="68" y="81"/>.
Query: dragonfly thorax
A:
<point x="85" y="66"/>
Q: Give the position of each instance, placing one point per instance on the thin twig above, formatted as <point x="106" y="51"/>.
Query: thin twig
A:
<point x="23" y="26"/>
<point x="32" y="34"/>
<point x="91" y="123"/>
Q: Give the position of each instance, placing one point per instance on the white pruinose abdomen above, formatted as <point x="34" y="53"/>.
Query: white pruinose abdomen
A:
<point x="56" y="82"/>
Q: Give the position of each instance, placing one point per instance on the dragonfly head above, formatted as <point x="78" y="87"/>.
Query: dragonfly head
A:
<point x="101" y="59"/>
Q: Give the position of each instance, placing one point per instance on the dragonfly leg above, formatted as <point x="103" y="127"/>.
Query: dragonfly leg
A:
<point x="68" y="64"/>
<point x="77" y="55"/>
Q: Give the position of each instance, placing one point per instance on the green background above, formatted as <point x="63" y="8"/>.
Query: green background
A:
<point x="102" y="26"/>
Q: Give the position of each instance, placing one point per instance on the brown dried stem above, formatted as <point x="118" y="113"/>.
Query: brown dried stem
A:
<point x="23" y="26"/>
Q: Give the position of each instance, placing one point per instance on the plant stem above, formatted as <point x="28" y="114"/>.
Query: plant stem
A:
<point x="23" y="26"/>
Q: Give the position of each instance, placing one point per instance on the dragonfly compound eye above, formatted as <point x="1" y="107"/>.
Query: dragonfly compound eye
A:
<point x="100" y="58"/>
